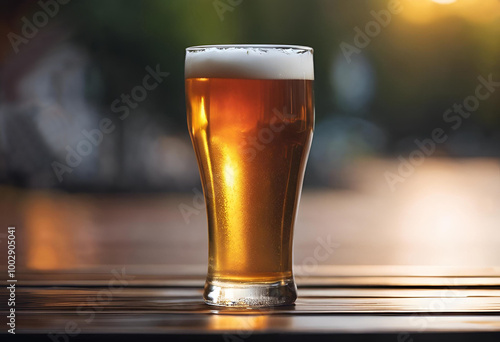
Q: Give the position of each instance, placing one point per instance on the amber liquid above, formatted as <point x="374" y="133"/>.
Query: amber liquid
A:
<point x="252" y="139"/>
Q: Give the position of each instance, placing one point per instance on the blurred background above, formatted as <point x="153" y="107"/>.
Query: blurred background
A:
<point x="95" y="170"/>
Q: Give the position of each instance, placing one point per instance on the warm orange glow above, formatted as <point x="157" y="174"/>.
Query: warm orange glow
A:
<point x="444" y="2"/>
<point x="51" y="222"/>
<point x="426" y="11"/>
<point x="242" y="323"/>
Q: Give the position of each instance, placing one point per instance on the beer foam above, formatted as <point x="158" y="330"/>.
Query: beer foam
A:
<point x="250" y="62"/>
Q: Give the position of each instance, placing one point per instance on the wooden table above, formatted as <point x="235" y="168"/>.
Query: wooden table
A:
<point x="419" y="263"/>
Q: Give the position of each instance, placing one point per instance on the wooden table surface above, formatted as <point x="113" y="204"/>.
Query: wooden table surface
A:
<point x="418" y="263"/>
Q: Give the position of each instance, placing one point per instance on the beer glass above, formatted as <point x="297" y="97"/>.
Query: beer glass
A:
<point x="250" y="115"/>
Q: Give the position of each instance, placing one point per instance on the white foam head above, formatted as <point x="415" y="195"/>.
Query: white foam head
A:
<point x="250" y="62"/>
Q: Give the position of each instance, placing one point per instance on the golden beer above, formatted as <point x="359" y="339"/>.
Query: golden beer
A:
<point x="251" y="137"/>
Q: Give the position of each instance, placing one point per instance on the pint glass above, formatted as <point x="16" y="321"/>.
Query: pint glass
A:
<point x="250" y="115"/>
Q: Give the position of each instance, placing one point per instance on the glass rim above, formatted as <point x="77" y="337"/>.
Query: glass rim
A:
<point x="297" y="48"/>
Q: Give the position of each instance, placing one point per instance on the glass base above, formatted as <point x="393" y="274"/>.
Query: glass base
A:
<point x="237" y="294"/>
